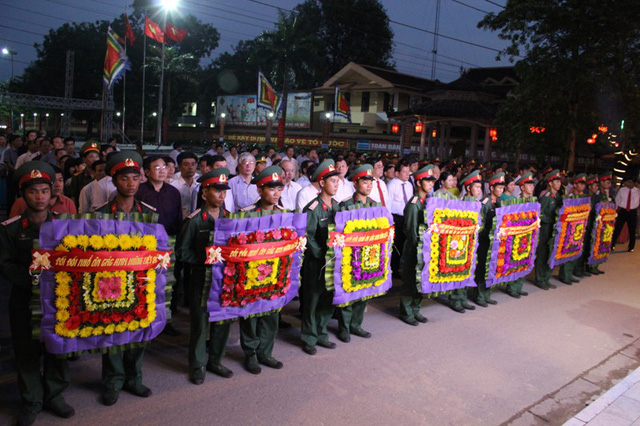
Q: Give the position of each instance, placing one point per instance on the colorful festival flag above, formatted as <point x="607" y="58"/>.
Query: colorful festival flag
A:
<point x="342" y="108"/>
<point x="570" y="231"/>
<point x="175" y="33"/>
<point x="602" y="233"/>
<point x="267" y="96"/>
<point x="153" y="30"/>
<point x="115" y="61"/>
<point x="129" y="34"/>
<point x="359" y="257"/>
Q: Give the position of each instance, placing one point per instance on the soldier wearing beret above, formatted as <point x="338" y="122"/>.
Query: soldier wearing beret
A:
<point x="194" y="239"/>
<point x="593" y="193"/>
<point x="350" y="317"/>
<point x="258" y="334"/>
<point x="123" y="369"/>
<point x="414" y="216"/>
<point x="575" y="268"/>
<point x="481" y="295"/>
<point x="89" y="152"/>
<point x="316" y="301"/>
<point x="550" y="201"/>
<point x="261" y="164"/>
<point x="37" y="391"/>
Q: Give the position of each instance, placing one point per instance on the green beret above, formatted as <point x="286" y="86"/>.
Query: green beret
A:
<point x="497" y="179"/>
<point x="552" y="175"/>
<point x="580" y="177"/>
<point x="218" y="178"/>
<point x="271" y="176"/>
<point x="326" y="169"/>
<point x="525" y="178"/>
<point x="472" y="177"/>
<point x="362" y="172"/>
<point x="35" y="172"/>
<point x="124" y="162"/>
<point x="89" y="147"/>
<point x="261" y="158"/>
<point x="427" y="172"/>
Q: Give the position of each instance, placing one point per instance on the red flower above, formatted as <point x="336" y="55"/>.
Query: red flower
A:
<point x="95" y="317"/>
<point x="116" y="316"/>
<point x="105" y="318"/>
<point x="140" y="311"/>
<point x="128" y="317"/>
<point x="73" y="323"/>
<point x="85" y="316"/>
<point x="286" y="233"/>
<point x="251" y="238"/>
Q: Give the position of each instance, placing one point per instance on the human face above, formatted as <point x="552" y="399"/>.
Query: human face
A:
<point x="171" y="170"/>
<point x="378" y="169"/>
<point x="57" y="142"/>
<point x="426" y="185"/>
<point x="497" y="190"/>
<point x="449" y="182"/>
<point x="100" y="172"/>
<point x="45" y="146"/>
<point x="414" y="167"/>
<point x="204" y="168"/>
<point x="341" y="166"/>
<point x="606" y="185"/>
<point x="32" y="146"/>
<point x="31" y="136"/>
<point x="127" y="184"/>
<point x="404" y="173"/>
<point x="364" y="186"/>
<point x="260" y="167"/>
<point x="90" y="158"/>
<point x="70" y="146"/>
<point x="233" y="151"/>
<point x="580" y="187"/>
<point x="270" y="195"/>
<point x="3" y="142"/>
<point x="313" y="155"/>
<point x="58" y="185"/>
<point x="330" y="185"/>
<point x="593" y="188"/>
<point x="390" y="173"/>
<point x="213" y="197"/>
<point x="247" y="167"/>
<point x="188" y="168"/>
<point x="511" y="186"/>
<point x="475" y="190"/>
<point x="290" y="152"/>
<point x="289" y="171"/>
<point x="37" y="196"/>
<point x="527" y="189"/>
<point x="555" y="184"/>
<point x="219" y="150"/>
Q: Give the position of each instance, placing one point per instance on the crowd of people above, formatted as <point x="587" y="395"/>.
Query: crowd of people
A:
<point x="46" y="176"/>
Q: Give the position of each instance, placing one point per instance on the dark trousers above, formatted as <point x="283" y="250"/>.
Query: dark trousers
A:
<point x="182" y="272"/>
<point x="317" y="302"/>
<point x="258" y="335"/>
<point x="122" y="368"/>
<point x="350" y="317"/>
<point x="630" y="217"/>
<point x="398" y="243"/>
<point x="35" y="389"/>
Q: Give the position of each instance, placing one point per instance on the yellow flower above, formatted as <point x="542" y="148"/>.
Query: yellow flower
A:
<point x="151" y="274"/>
<point x="252" y="273"/>
<point x="111" y="242"/>
<point x="136" y="241"/>
<point x="72" y="333"/>
<point x="62" y="303"/>
<point x="63" y="278"/>
<point x="133" y="325"/>
<point x="121" y="327"/>
<point x="152" y="312"/>
<point x="144" y="323"/>
<point x="62" y="316"/>
<point x="70" y="241"/>
<point x="125" y="242"/>
<point x="61" y="330"/>
<point x="110" y="329"/>
<point x="62" y="290"/>
<point x="83" y="241"/>
<point x="96" y="242"/>
<point x="151" y="297"/>
<point x="86" y="332"/>
<point x="150" y="242"/>
<point x="61" y="247"/>
<point x="98" y="331"/>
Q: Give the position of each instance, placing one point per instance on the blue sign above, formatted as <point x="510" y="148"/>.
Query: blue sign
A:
<point x="363" y="145"/>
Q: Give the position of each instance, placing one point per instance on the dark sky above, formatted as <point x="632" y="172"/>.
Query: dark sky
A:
<point x="23" y="23"/>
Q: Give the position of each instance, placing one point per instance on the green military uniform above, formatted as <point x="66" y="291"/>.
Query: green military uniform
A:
<point x="548" y="214"/>
<point x="317" y="303"/>
<point x="83" y="179"/>
<point x="17" y="237"/>
<point x="574" y="268"/>
<point x="600" y="197"/>
<point x="411" y="296"/>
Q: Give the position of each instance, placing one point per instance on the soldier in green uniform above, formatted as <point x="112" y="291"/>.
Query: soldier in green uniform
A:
<point x="317" y="306"/>
<point x="527" y="186"/>
<point x="481" y="295"/>
<point x="90" y="152"/>
<point x="195" y="237"/>
<point x="574" y="268"/>
<point x="261" y="164"/>
<point x="350" y="317"/>
<point x="550" y="200"/>
<point x="37" y="391"/>
<point x="472" y="183"/>
<point x="122" y="369"/>
<point x="411" y="297"/>
<point x="593" y="194"/>
<point x="603" y="196"/>
<point x="258" y="334"/>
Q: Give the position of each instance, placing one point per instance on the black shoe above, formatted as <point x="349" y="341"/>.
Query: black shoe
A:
<point x="563" y="281"/>
<point x="514" y="295"/>
<point x="220" y="370"/>
<point x="327" y="344"/>
<point x="492" y="302"/>
<point x="141" y="390"/>
<point x="468" y="306"/>
<point x="483" y="304"/>
<point x="551" y="285"/>
<point x="458" y="308"/>
<point x="251" y="364"/>
<point x="579" y="274"/>
<point x="411" y="321"/>
<point x="523" y="293"/>
<point x="421" y="318"/>
<point x="197" y="376"/>
<point x="283" y="324"/>
<point x="170" y="330"/>
<point x="542" y="286"/>
<point x="61" y="409"/>
<point x="361" y="332"/>
<point x="586" y="274"/>
<point x="270" y="362"/>
<point x="573" y="280"/>
<point x="343" y="336"/>
<point x="110" y="396"/>
<point x="26" y="418"/>
<point x="310" y="350"/>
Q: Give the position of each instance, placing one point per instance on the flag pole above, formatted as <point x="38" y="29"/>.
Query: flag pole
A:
<point x="159" y="121"/>
<point x="124" y="84"/>
<point x="144" y="72"/>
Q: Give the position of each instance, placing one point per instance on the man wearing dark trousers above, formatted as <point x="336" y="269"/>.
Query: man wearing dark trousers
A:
<point x="627" y="201"/>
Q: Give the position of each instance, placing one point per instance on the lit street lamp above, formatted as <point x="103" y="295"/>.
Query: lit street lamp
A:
<point x="167" y="5"/>
<point x="12" y="53"/>
<point x="222" y="117"/>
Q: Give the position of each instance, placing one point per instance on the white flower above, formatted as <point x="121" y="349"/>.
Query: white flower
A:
<point x="40" y="261"/>
<point x="338" y="240"/>
<point x="302" y="244"/>
<point x="215" y="255"/>
<point x="164" y="261"/>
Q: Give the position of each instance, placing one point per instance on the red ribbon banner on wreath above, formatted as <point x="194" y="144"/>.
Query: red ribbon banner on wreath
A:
<point x="357" y="239"/>
<point x="98" y="261"/>
<point x="257" y="251"/>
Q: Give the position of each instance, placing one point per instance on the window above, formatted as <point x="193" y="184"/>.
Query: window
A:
<point x="366" y="96"/>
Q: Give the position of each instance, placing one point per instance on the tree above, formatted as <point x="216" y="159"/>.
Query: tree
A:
<point x="580" y="68"/>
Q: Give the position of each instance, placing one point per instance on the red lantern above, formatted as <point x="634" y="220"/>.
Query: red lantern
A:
<point x="433" y="133"/>
<point x="493" y="133"/>
<point x="591" y="141"/>
<point x="395" y="128"/>
<point x="603" y="129"/>
<point x="418" y="127"/>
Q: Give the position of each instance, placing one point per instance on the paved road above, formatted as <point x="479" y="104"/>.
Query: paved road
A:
<point x="515" y="362"/>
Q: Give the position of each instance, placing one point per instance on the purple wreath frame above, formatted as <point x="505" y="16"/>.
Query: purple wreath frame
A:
<point x="493" y="262"/>
<point x="51" y="233"/>
<point x="340" y="296"/>
<point x="225" y="229"/>
<point x="592" y="260"/>
<point x="434" y="203"/>
<point x="566" y="202"/>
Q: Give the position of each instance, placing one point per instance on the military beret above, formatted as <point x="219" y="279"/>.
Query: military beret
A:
<point x="497" y="179"/>
<point x="580" y="177"/>
<point x="552" y="175"/>
<point x="525" y="178"/>
<point x="89" y="147"/>
<point x="472" y="177"/>
<point x="427" y="172"/>
<point x="218" y="178"/>
<point x="326" y="169"/>
<point x="363" y="172"/>
<point x="124" y="162"/>
<point x="271" y="176"/>
<point x="35" y="172"/>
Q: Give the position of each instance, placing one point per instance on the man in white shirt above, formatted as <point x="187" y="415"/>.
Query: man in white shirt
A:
<point x="400" y="192"/>
<point x="627" y="202"/>
<point x="291" y="188"/>
<point x="309" y="192"/>
<point x="379" y="192"/>
<point x="87" y="203"/>
<point x="232" y="159"/>
<point x="303" y="180"/>
<point x="345" y="187"/>
<point x="289" y="154"/>
<point x="176" y="151"/>
<point x="187" y="164"/>
<point x="244" y="193"/>
<point x="32" y="152"/>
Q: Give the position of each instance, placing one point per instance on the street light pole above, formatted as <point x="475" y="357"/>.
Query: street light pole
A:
<point x="12" y="53"/>
<point x="167" y="5"/>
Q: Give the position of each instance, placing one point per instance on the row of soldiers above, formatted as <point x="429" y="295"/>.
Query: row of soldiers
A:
<point x="123" y="369"/>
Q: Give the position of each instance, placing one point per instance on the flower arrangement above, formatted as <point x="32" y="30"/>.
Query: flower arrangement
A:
<point x="570" y="230"/>
<point x="602" y="233"/>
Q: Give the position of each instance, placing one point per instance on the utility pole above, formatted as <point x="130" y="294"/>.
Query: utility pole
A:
<point x="65" y="126"/>
<point x="434" y="51"/>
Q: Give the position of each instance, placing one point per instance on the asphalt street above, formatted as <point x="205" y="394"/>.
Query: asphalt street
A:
<point x="534" y="360"/>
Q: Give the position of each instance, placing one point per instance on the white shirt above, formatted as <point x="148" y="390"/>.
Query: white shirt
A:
<point x="186" y="193"/>
<point x="303" y="181"/>
<point x="398" y="198"/>
<point x="345" y="190"/>
<point x="85" y="199"/>
<point x="174" y="154"/>
<point x="289" y="194"/>
<point x="305" y="196"/>
<point x="622" y="198"/>
<point x="102" y="191"/>
<point x="232" y="163"/>
<point x="26" y="157"/>
<point x="244" y="194"/>
<point x="376" y="193"/>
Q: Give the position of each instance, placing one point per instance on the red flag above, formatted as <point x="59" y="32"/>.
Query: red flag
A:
<point x="129" y="35"/>
<point x="175" y="33"/>
<point x="153" y="30"/>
